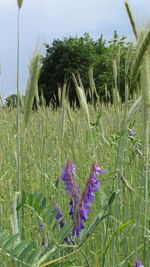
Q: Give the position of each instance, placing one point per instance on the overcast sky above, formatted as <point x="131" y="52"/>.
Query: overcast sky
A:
<point x="52" y="19"/>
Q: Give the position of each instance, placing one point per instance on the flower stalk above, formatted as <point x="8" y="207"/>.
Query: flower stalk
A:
<point x="80" y="205"/>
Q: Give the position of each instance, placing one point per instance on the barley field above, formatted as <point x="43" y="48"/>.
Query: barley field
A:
<point x="105" y="189"/>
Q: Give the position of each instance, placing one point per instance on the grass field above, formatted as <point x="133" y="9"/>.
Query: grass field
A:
<point x="34" y="147"/>
<point x="50" y="139"/>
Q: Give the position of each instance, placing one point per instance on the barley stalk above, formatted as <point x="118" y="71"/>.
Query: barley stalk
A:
<point x="19" y="2"/>
<point x="81" y="96"/>
<point x="145" y="84"/>
<point x="131" y="20"/>
<point x="139" y="57"/>
<point x="19" y="182"/>
<point x="134" y="108"/>
<point x="92" y="84"/>
<point x="32" y="85"/>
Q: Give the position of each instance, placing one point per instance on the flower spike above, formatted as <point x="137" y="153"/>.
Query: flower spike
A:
<point x="68" y="176"/>
<point x="138" y="264"/>
<point x="87" y="197"/>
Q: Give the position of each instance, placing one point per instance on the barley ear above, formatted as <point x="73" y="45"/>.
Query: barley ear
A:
<point x="32" y="85"/>
<point x="92" y="84"/>
<point x="139" y="57"/>
<point x="81" y="96"/>
<point x="19" y="2"/>
<point x="131" y="20"/>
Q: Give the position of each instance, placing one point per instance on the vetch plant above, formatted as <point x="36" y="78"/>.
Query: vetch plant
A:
<point x="80" y="206"/>
<point x="68" y="176"/>
<point x="137" y="264"/>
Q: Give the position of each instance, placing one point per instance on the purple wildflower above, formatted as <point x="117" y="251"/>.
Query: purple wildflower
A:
<point x="137" y="264"/>
<point x="42" y="229"/>
<point x="68" y="176"/>
<point x="131" y="132"/>
<point x="59" y="215"/>
<point x="87" y="197"/>
<point x="61" y="222"/>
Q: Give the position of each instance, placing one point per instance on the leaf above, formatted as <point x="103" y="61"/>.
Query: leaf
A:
<point x="9" y="244"/>
<point x="14" y="220"/>
<point x="3" y="236"/>
<point x="92" y="227"/>
<point x="19" y="248"/>
<point x="124" y="225"/>
<point x="112" y="197"/>
<point x="35" y="255"/>
<point x="64" y="231"/>
<point x="23" y="251"/>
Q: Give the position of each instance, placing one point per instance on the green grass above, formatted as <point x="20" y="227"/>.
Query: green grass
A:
<point x="44" y="152"/>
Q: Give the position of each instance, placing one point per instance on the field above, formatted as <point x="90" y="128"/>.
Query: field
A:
<point x="106" y="143"/>
<point x="51" y="138"/>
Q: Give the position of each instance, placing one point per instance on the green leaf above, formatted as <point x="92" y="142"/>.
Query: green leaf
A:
<point x="112" y="197"/>
<point x="26" y="251"/>
<point x="124" y="225"/>
<point x="64" y="231"/>
<point x="86" y="233"/>
<point x="3" y="236"/>
<point x="19" y="248"/>
<point x="9" y="244"/>
<point x="23" y="251"/>
<point x="15" y="225"/>
<point x="35" y="255"/>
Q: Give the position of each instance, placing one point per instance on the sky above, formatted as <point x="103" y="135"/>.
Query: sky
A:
<point x="42" y="21"/>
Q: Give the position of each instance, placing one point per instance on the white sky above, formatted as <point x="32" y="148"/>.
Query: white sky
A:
<point x="49" y="19"/>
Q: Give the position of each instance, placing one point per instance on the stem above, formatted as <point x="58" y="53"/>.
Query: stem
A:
<point x="19" y="184"/>
<point x="18" y="123"/>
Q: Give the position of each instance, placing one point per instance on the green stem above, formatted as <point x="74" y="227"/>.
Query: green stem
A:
<point x="18" y="124"/>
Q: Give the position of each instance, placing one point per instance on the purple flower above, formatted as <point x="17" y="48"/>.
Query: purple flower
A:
<point x="137" y="264"/>
<point x="42" y="229"/>
<point x="61" y="222"/>
<point x="68" y="176"/>
<point x="59" y="215"/>
<point x="87" y="197"/>
<point x="131" y="132"/>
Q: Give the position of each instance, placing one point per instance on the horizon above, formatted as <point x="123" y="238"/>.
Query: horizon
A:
<point x="55" y="20"/>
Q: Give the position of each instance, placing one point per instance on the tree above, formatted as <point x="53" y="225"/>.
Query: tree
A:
<point x="113" y="56"/>
<point x="76" y="55"/>
<point x="11" y="101"/>
<point x="64" y="57"/>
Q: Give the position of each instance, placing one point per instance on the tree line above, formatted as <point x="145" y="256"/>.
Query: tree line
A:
<point x="98" y="62"/>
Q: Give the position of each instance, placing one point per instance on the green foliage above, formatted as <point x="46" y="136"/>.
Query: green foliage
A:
<point x="22" y="251"/>
<point x="41" y="164"/>
<point x="11" y="101"/>
<point x="63" y="57"/>
<point x="31" y="253"/>
<point x="114" y="51"/>
<point x="77" y="55"/>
